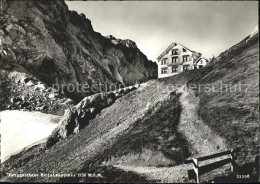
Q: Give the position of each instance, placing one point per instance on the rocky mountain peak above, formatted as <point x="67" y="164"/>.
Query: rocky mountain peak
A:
<point x="61" y="48"/>
<point x="127" y="43"/>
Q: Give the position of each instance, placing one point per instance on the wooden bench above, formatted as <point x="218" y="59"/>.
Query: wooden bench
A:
<point x="197" y="170"/>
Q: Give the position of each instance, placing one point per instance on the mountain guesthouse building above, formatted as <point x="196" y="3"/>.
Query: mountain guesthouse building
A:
<point x="176" y="58"/>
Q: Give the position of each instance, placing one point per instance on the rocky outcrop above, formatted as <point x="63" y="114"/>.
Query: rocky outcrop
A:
<point x="254" y="32"/>
<point x="60" y="47"/>
<point x="124" y="43"/>
<point x="78" y="117"/>
<point x="19" y="89"/>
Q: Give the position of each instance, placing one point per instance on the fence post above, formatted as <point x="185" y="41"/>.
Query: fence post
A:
<point x="196" y="169"/>
<point x="257" y="167"/>
<point x="232" y="163"/>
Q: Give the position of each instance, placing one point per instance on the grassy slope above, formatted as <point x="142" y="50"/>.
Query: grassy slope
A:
<point x="233" y="115"/>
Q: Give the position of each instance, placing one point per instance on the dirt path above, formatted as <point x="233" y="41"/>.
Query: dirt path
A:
<point x="202" y="140"/>
<point x="177" y="174"/>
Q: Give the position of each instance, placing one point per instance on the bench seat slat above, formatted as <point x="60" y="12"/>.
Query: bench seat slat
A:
<point x="212" y="166"/>
<point x="214" y="155"/>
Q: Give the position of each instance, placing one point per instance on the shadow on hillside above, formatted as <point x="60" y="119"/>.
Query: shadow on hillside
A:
<point x="153" y="141"/>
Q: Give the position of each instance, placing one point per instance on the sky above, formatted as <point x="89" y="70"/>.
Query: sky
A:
<point x="208" y="27"/>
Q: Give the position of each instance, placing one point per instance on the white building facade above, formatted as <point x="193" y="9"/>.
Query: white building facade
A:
<point x="176" y="59"/>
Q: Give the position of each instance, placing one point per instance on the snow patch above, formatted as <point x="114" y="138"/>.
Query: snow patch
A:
<point x="21" y="129"/>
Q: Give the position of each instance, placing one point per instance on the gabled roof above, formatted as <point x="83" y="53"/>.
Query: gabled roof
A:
<point x="169" y="48"/>
<point x="200" y="59"/>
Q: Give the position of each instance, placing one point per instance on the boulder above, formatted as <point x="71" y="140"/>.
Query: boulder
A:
<point x="111" y="98"/>
<point x="52" y="95"/>
<point x="68" y="101"/>
<point x="41" y="108"/>
<point x="29" y="83"/>
<point x="134" y="88"/>
<point x="53" y="138"/>
<point x="118" y="95"/>
<point x="40" y="87"/>
<point x="15" y="100"/>
<point x="25" y="80"/>
<point x="97" y="100"/>
<point x="93" y="110"/>
<point x="121" y="91"/>
<point x="137" y="85"/>
<point x="78" y="117"/>
<point x="67" y="123"/>
<point x="25" y="104"/>
<point x="82" y="119"/>
<point x="85" y="103"/>
<point x="127" y="90"/>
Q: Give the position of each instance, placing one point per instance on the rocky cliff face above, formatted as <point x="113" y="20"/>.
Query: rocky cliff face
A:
<point x="60" y="47"/>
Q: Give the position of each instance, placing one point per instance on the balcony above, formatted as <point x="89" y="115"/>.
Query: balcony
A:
<point x="174" y="64"/>
<point x="187" y="62"/>
<point x="175" y="61"/>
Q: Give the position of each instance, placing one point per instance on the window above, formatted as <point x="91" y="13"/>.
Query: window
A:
<point x="174" y="60"/>
<point x="185" y="58"/>
<point x="174" y="69"/>
<point x="185" y="68"/>
<point x="174" y="52"/>
<point x="164" y="61"/>
<point x="164" y="70"/>
<point x="184" y="50"/>
<point x="200" y="66"/>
